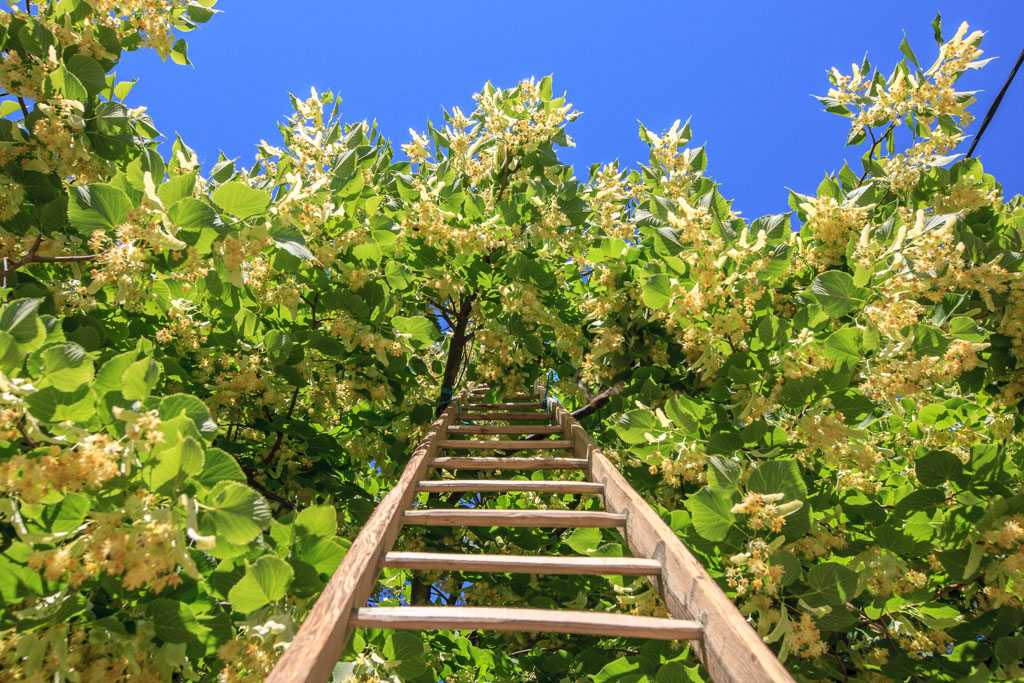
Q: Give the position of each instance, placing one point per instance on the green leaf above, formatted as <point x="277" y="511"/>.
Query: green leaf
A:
<point x="290" y="239"/>
<point x="417" y="329"/>
<point x="830" y="584"/>
<point x="62" y="81"/>
<point x="219" y="466"/>
<point x="677" y="672"/>
<point x="584" y="540"/>
<point x="711" y="514"/>
<point x="140" y="379"/>
<point x="937" y="28"/>
<point x="89" y="73"/>
<point x="406" y="651"/>
<point x="21" y="321"/>
<point x="619" y="670"/>
<point x="66" y="367"/>
<point x="908" y="53"/>
<point x="1009" y="650"/>
<point x="783" y="476"/>
<point x="238" y="512"/>
<point x="318" y="520"/>
<point x="278" y="345"/>
<point x="97" y="207"/>
<point x="173" y="621"/>
<point x="265" y="581"/>
<point x="965" y="328"/>
<point x="632" y="426"/>
<point x="190" y="406"/>
<point x="836" y="293"/>
<point x="938" y="467"/>
<point x="657" y="291"/>
<point x="240" y="200"/>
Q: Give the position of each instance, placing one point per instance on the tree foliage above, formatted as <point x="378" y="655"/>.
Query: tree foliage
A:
<point x="208" y="380"/>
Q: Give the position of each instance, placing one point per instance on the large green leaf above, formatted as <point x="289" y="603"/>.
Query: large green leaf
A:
<point x="711" y="514"/>
<point x="173" y="621"/>
<point x="657" y="291"/>
<point x="140" y="379"/>
<point x="265" y="581"/>
<point x="239" y="513"/>
<point x="97" y="207"/>
<point x="240" y="200"/>
<point x="66" y="367"/>
<point x="418" y="330"/>
<point x="836" y="293"/>
<point x="318" y="520"/>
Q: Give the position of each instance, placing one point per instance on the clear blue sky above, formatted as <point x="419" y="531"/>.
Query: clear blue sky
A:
<point x="742" y="70"/>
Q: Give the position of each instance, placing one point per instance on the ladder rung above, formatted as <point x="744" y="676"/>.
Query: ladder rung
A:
<point x="482" y="485"/>
<point x="507" y="416"/>
<point x="504" y="429"/>
<point x="514" y="518"/>
<point x="524" y="564"/>
<point x="476" y="406"/>
<point x="539" y="620"/>
<point x="509" y="463"/>
<point x="511" y="445"/>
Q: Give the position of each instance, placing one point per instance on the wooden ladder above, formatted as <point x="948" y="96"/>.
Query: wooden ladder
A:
<point x="723" y="640"/>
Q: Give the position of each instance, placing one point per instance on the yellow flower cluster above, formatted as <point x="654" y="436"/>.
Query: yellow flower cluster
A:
<point x="86" y="465"/>
<point x="832" y="226"/>
<point x="762" y="510"/>
<point x="141" y="544"/>
<point x="246" y="661"/>
<point x="77" y="652"/>
<point x="751" y="572"/>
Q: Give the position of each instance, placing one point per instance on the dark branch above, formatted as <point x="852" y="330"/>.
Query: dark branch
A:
<point x="597" y="401"/>
<point x="33" y="257"/>
<point x="995" y="104"/>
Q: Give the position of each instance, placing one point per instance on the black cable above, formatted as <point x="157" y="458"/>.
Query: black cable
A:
<point x="995" y="104"/>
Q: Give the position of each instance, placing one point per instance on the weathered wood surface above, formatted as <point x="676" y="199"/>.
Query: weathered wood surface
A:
<point x="533" y="405"/>
<point x="508" y="486"/>
<point x="505" y="429"/>
<point x="513" y="518"/>
<point x="524" y="619"/>
<point x="507" y="415"/>
<point x="315" y="650"/>
<point x="524" y="564"/>
<point x="506" y="445"/>
<point x="509" y="463"/>
<point x="731" y="650"/>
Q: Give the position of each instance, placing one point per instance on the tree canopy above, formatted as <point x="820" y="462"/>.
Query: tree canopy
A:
<point x="208" y="379"/>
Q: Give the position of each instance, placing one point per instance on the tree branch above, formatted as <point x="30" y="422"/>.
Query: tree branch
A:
<point x="33" y="257"/>
<point x="597" y="401"/>
<point x="253" y="482"/>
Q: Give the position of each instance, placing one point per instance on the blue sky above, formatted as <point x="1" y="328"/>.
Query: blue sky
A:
<point x="744" y="71"/>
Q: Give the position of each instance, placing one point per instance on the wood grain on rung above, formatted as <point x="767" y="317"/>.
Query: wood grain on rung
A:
<point x="509" y="445"/>
<point x="504" y="429"/>
<point x="530" y="404"/>
<point x="318" y="645"/>
<point x="514" y="518"/>
<point x="497" y="485"/>
<point x="523" y="564"/>
<point x="538" y="620"/>
<point x="506" y="416"/>
<point x="509" y="463"/>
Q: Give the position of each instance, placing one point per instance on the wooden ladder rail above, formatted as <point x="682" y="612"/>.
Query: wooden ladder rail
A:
<point x="321" y="640"/>
<point x="730" y="650"/>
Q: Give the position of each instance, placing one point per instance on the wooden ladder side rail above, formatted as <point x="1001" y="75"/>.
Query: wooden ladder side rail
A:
<point x="320" y="642"/>
<point x="731" y="650"/>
